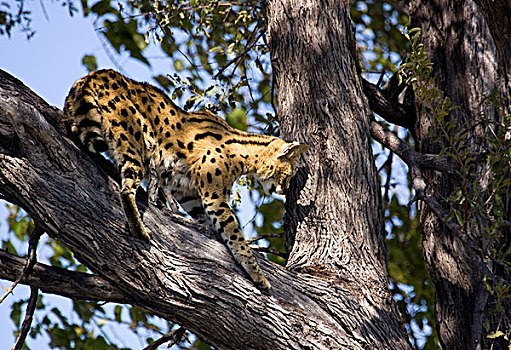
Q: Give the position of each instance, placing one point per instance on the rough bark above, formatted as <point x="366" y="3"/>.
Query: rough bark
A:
<point x="333" y="221"/>
<point x="185" y="274"/>
<point x="320" y="104"/>
<point x="470" y="50"/>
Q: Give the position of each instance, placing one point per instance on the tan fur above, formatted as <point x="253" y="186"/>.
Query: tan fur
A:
<point x="198" y="155"/>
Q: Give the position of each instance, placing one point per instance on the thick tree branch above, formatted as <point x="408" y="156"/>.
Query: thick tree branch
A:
<point x="56" y="280"/>
<point x="412" y="158"/>
<point x="182" y="275"/>
<point x="385" y="104"/>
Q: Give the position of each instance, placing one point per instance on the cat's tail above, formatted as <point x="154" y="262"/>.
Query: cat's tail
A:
<point x="83" y="116"/>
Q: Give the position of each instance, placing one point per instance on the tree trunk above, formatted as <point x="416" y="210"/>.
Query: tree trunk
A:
<point x="185" y="274"/>
<point x="469" y="44"/>
<point x="333" y="221"/>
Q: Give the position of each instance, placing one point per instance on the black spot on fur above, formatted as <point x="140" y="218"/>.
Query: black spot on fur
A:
<point x="134" y="161"/>
<point x="227" y="221"/>
<point x="99" y="145"/>
<point x="84" y="108"/>
<point x="84" y="123"/>
<point x="218" y="137"/>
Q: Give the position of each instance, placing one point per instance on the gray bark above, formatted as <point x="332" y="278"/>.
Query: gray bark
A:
<point x="333" y="221"/>
<point x="469" y="44"/>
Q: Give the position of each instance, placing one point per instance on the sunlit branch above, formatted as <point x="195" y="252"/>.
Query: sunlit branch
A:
<point x="411" y="157"/>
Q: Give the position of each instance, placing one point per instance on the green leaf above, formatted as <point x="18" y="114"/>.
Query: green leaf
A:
<point x="178" y="65"/>
<point x="164" y="82"/>
<point x="237" y="119"/>
<point x="90" y="63"/>
<point x="496" y="334"/>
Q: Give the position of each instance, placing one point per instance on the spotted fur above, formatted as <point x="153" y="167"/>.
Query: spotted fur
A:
<point x="197" y="155"/>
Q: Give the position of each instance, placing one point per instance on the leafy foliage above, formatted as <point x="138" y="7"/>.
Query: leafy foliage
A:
<point x="477" y="205"/>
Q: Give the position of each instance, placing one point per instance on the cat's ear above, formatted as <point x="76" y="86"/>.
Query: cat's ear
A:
<point x="292" y="150"/>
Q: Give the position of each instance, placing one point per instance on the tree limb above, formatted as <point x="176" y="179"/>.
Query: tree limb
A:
<point x="386" y="105"/>
<point x="32" y="259"/>
<point x="34" y="291"/>
<point x="412" y="158"/>
<point x="172" y="337"/>
<point x="56" y="280"/>
<point x="182" y="275"/>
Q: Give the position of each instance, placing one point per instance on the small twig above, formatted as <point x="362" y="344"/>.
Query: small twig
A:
<point x="32" y="250"/>
<point x="106" y="48"/>
<point x="43" y="8"/>
<point x="173" y="337"/>
<point x="237" y="58"/>
<point x="268" y="250"/>
<point x="380" y="80"/>
<point x="271" y="235"/>
<point x="27" y="321"/>
<point x="34" y="291"/>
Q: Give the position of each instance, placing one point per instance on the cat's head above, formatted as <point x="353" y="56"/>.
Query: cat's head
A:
<point x="279" y="167"/>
